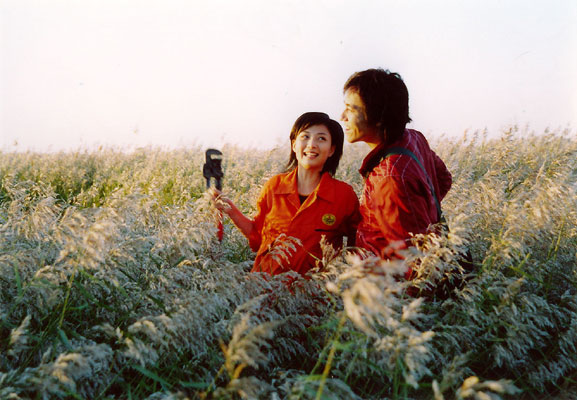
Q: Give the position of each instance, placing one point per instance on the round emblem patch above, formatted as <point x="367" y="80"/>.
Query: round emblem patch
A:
<point x="329" y="219"/>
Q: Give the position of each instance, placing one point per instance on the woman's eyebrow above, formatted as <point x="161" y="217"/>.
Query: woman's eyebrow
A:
<point x="318" y="133"/>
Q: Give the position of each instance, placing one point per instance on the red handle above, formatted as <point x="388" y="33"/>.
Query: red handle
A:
<point x="220" y="227"/>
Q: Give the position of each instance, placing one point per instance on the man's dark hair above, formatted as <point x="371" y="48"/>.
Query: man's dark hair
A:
<point x="386" y="100"/>
<point x="309" y="119"/>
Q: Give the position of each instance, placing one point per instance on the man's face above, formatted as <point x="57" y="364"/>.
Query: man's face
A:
<point x="354" y="117"/>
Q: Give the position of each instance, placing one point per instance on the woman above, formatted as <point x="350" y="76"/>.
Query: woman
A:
<point x="305" y="202"/>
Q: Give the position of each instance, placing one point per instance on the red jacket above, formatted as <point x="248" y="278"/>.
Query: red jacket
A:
<point x="396" y="199"/>
<point x="331" y="210"/>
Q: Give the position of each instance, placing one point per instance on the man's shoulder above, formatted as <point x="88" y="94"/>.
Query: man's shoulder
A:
<point x="396" y="163"/>
<point x="396" y="167"/>
<point x="413" y="140"/>
<point x="392" y="165"/>
<point x="417" y="143"/>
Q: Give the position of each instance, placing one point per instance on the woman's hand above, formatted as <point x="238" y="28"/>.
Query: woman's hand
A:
<point x="225" y="205"/>
<point x="221" y="202"/>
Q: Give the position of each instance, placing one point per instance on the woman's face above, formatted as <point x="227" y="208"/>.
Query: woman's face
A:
<point x="312" y="147"/>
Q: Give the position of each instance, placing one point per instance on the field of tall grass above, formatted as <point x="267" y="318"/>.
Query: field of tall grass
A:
<point x="114" y="286"/>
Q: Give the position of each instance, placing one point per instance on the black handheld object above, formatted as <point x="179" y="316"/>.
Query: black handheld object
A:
<point x="213" y="168"/>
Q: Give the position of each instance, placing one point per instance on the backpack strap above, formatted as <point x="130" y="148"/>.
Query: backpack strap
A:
<point x="406" y="152"/>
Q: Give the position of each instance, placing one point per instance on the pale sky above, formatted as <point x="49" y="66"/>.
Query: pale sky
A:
<point x="175" y="73"/>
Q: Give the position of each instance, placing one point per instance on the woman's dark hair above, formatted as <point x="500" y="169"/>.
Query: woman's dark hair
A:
<point x="386" y="100"/>
<point x="309" y="119"/>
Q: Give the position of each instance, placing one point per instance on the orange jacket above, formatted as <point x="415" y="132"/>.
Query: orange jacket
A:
<point x="332" y="210"/>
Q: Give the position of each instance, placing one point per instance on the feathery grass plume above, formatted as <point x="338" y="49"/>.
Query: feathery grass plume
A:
<point x="500" y="175"/>
<point x="245" y="388"/>
<point x="161" y="340"/>
<point x="307" y="388"/>
<point x="453" y="373"/>
<point x="472" y="387"/>
<point x="294" y="304"/>
<point x="9" y="384"/>
<point x="435" y="259"/>
<point x="168" y="396"/>
<point x="19" y="338"/>
<point x="32" y="211"/>
<point x="128" y="239"/>
<point x="283" y="247"/>
<point x="329" y="256"/>
<point x="373" y="299"/>
<point x="246" y="348"/>
<point x="561" y="357"/>
<point x="191" y="327"/>
<point x="498" y="325"/>
<point x="82" y="373"/>
<point x="82" y="370"/>
<point x="86" y="239"/>
<point x="18" y="265"/>
<point x="371" y="291"/>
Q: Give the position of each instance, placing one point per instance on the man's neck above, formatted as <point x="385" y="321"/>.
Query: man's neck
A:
<point x="373" y="145"/>
<point x="374" y="139"/>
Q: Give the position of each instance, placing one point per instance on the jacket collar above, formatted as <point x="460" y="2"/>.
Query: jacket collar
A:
<point x="372" y="160"/>
<point x="376" y="155"/>
<point x="288" y="185"/>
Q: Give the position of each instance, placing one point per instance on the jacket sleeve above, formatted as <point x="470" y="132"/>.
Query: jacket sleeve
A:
<point x="263" y="208"/>
<point x="354" y="218"/>
<point x="444" y="177"/>
<point x="400" y="211"/>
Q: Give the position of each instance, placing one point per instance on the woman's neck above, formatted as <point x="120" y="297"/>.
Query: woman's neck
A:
<point x="307" y="180"/>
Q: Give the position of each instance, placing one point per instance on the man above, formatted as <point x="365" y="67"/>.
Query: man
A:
<point x="398" y="198"/>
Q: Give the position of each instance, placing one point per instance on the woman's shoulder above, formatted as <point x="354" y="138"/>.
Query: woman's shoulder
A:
<point x="341" y="186"/>
<point x="280" y="181"/>
<point x="282" y="177"/>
